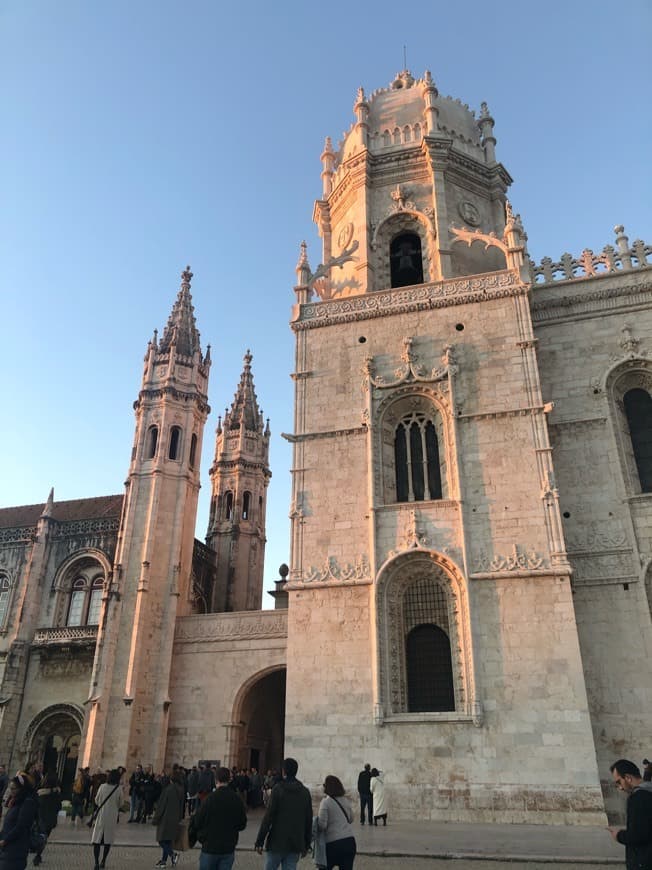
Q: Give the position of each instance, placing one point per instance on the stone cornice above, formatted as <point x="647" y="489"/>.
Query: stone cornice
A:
<point x="591" y="299"/>
<point x="231" y="626"/>
<point x="422" y="297"/>
<point x="332" y="433"/>
<point x="173" y="392"/>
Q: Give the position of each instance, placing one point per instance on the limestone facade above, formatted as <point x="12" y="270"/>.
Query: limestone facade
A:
<point x="469" y="578"/>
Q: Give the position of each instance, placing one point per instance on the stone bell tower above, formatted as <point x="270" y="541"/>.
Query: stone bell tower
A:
<point x="239" y="478"/>
<point x="150" y="585"/>
<point x="427" y="555"/>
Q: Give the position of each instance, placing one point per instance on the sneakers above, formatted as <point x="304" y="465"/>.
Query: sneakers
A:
<point x="175" y="859"/>
<point x="160" y="864"/>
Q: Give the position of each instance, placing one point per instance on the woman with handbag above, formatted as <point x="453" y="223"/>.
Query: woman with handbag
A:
<point x="105" y="817"/>
<point x="334" y="819"/>
<point x="16" y="830"/>
<point x="169" y="809"/>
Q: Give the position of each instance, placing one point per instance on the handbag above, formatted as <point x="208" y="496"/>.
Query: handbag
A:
<point x="91" y="821"/>
<point x="181" y="842"/>
<point x="37" y="839"/>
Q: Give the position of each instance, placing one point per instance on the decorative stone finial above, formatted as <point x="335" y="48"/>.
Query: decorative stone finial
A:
<point x="247" y="359"/>
<point x="186" y="278"/>
<point x="328" y="145"/>
<point x="303" y="266"/>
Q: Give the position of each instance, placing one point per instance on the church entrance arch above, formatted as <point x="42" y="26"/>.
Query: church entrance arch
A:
<point x="52" y="740"/>
<point x="258" y="734"/>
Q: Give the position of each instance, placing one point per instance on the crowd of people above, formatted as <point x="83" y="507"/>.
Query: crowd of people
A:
<point x="209" y="804"/>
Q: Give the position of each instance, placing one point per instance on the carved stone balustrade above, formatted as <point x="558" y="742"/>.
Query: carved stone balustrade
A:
<point x="622" y="258"/>
<point x="65" y="636"/>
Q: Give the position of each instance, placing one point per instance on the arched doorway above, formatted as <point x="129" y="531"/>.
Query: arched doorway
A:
<point x="52" y="740"/>
<point x="260" y="714"/>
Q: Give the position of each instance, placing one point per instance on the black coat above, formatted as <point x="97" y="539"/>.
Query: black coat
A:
<point x="287" y="824"/>
<point x="637" y="836"/>
<point x="15" y="832"/>
<point x="49" y="804"/>
<point x="217" y="822"/>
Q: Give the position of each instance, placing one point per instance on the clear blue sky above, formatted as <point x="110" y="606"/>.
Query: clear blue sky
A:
<point x="140" y="136"/>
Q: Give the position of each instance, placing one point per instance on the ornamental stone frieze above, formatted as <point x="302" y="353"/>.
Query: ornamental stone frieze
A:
<point x="440" y="294"/>
<point x="25" y="535"/>
<point x="331" y="572"/>
<point x="231" y="626"/>
<point x="411" y="371"/>
<point x="519" y="559"/>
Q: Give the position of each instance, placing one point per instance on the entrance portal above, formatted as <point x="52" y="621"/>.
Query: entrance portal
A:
<point x="53" y="739"/>
<point x="261" y="717"/>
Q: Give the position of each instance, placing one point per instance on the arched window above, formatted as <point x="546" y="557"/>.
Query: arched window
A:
<point x="5" y="589"/>
<point x="228" y="505"/>
<point x="193" y="450"/>
<point x="152" y="442"/>
<point x="174" y="451"/>
<point x="77" y="602"/>
<point x="416" y="459"/>
<point x="429" y="670"/>
<point x="95" y="602"/>
<point x="246" y="505"/>
<point x="406" y="262"/>
<point x="638" y="410"/>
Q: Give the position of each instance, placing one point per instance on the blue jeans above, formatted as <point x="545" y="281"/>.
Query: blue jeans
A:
<point x="168" y="851"/>
<point x="216" y="862"/>
<point x="274" y="860"/>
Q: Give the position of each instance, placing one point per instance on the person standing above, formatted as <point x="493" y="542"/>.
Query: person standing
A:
<point x="377" y="787"/>
<point x="637" y="836"/>
<point x="134" y="793"/>
<point x="206" y="781"/>
<point x="647" y="770"/>
<point x="193" y="788"/>
<point x="108" y="800"/>
<point x="286" y="828"/>
<point x="217" y="823"/>
<point x="77" y="798"/>
<point x="364" y="790"/>
<point x="22" y="811"/>
<point x="49" y="804"/>
<point x="334" y="819"/>
<point x="169" y="809"/>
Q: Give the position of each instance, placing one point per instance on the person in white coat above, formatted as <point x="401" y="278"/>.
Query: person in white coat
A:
<point x="378" y="793"/>
<point x="108" y="801"/>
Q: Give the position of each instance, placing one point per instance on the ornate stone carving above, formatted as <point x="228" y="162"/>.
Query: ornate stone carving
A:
<point x="332" y="571"/>
<point x="18" y="536"/>
<point x="458" y="291"/>
<point x="323" y="269"/>
<point x="469" y="213"/>
<point x="606" y="535"/>
<point x="65" y="635"/>
<point x="411" y="371"/>
<point x="69" y="710"/>
<point x="518" y="560"/>
<point x="231" y="626"/>
<point x="344" y="237"/>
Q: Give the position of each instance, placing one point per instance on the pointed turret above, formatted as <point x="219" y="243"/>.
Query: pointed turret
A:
<point x="181" y="329"/>
<point x="244" y="408"/>
<point x="49" y="505"/>
<point x="239" y="479"/>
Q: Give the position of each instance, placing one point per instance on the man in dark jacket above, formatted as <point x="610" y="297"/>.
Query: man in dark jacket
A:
<point x="216" y="824"/>
<point x="637" y="836"/>
<point x="364" y="790"/>
<point x="287" y="823"/>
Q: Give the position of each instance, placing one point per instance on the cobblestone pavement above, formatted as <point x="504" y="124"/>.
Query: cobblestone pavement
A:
<point x="60" y="856"/>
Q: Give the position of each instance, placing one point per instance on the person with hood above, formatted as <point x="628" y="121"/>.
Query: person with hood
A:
<point x="49" y="804"/>
<point x="169" y="809"/>
<point x="334" y="819"/>
<point x="108" y="801"/>
<point x="286" y="828"/>
<point x="377" y="787"/>
<point x="22" y="812"/>
<point x="637" y="836"/>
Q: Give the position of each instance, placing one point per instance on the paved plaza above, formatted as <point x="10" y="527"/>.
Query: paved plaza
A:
<point x="402" y="845"/>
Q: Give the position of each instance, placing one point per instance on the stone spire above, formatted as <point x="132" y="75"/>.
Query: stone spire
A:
<point x="181" y="329"/>
<point x="49" y="505"/>
<point x="244" y="408"/>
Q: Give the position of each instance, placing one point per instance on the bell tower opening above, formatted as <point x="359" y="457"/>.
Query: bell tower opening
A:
<point x="406" y="262"/>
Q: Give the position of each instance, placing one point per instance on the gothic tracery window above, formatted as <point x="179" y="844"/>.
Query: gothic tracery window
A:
<point x="416" y="459"/>
<point x="85" y="601"/>
<point x="638" y="410"/>
<point x="5" y="589"/>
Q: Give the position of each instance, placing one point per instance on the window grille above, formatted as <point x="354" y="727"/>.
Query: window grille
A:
<point x="416" y="457"/>
<point x="428" y="661"/>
